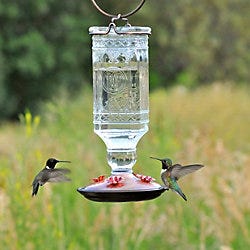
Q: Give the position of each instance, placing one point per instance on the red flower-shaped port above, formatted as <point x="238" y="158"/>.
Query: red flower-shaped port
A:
<point x="144" y="178"/>
<point x="115" y="181"/>
<point x="99" y="179"/>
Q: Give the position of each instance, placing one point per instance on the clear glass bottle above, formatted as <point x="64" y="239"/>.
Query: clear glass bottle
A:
<point x="120" y="91"/>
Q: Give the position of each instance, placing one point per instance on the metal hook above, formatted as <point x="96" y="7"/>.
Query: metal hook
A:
<point x="116" y="18"/>
<point x="122" y="15"/>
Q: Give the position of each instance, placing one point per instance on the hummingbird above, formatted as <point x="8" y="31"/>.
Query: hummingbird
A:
<point x="50" y="174"/>
<point x="170" y="174"/>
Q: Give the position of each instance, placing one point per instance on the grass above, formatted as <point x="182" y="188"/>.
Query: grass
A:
<point x="209" y="125"/>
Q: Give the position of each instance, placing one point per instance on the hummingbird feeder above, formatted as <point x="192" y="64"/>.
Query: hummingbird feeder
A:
<point x="121" y="108"/>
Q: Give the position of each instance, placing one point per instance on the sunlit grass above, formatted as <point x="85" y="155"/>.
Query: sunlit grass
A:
<point x="209" y="125"/>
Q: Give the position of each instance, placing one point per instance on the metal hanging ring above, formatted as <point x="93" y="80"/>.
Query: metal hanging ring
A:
<point x="121" y="15"/>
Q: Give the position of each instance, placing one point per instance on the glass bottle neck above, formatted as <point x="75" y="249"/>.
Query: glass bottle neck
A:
<point x="121" y="160"/>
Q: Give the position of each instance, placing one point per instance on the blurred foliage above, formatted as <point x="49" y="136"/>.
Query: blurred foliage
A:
<point x="200" y="41"/>
<point x="41" y="49"/>
<point x="45" y="46"/>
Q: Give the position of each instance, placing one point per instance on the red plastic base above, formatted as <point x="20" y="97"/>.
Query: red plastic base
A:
<point x="122" y="188"/>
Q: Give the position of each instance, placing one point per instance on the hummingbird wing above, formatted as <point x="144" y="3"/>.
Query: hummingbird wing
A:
<point x="39" y="180"/>
<point x="49" y="175"/>
<point x="58" y="175"/>
<point x="178" y="170"/>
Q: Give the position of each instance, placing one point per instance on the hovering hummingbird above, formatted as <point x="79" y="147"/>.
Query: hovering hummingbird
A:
<point x="170" y="174"/>
<point x="50" y="174"/>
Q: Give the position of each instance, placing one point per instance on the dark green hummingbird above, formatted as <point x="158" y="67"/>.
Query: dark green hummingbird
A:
<point x="170" y="174"/>
<point x="50" y="174"/>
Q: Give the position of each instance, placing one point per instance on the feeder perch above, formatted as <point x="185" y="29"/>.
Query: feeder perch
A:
<point x="121" y="108"/>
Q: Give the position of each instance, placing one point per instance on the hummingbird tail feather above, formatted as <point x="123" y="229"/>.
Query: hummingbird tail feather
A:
<point x="182" y="194"/>
<point x="35" y="189"/>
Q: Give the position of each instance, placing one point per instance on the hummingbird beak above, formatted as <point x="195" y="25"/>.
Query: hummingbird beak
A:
<point x="65" y="161"/>
<point x="156" y="158"/>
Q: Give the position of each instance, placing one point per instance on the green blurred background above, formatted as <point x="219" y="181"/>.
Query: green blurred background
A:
<point x="199" y="112"/>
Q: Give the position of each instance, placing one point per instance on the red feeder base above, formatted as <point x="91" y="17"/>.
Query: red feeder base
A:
<point x="122" y="188"/>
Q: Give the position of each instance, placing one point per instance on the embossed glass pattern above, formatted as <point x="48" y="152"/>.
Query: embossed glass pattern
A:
<point x="120" y="85"/>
